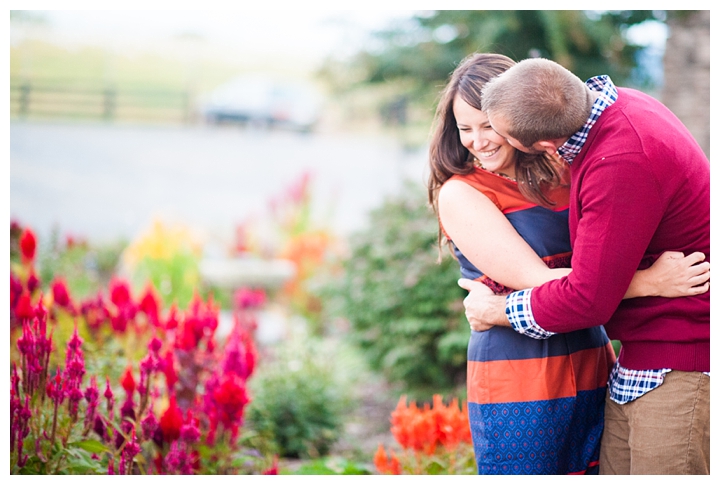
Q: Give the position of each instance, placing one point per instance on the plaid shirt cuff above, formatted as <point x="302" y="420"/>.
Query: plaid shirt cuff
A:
<point x="627" y="385"/>
<point x="519" y="312"/>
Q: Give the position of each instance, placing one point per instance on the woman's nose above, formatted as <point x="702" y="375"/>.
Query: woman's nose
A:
<point x="479" y="141"/>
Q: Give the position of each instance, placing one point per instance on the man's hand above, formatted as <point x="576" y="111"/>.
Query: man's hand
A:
<point x="483" y="308"/>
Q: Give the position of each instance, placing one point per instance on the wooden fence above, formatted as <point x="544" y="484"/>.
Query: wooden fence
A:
<point x="51" y="99"/>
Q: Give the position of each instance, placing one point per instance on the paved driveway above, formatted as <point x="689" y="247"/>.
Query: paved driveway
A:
<point x="103" y="181"/>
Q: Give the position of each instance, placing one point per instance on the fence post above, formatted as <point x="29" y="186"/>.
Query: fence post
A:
<point x="24" y="99"/>
<point x="109" y="102"/>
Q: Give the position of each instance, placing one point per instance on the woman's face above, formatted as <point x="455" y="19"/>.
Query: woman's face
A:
<point x="492" y="150"/>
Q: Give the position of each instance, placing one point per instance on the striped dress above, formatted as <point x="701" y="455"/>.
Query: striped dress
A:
<point x="535" y="406"/>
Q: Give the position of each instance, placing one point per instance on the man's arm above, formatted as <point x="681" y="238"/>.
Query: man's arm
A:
<point x="619" y="216"/>
<point x="621" y="207"/>
<point x="485" y="310"/>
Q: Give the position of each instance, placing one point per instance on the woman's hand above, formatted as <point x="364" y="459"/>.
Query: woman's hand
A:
<point x="674" y="275"/>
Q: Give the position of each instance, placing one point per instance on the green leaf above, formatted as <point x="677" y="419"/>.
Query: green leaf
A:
<point x="93" y="446"/>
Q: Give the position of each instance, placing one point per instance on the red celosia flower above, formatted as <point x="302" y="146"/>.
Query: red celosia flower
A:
<point x="61" y="296"/>
<point x="94" y="311"/>
<point x="120" y="292"/>
<point x="55" y="389"/>
<point x="23" y="308"/>
<point x="171" y="421"/>
<point x="240" y="352"/>
<point x="27" y="245"/>
<point x="128" y="381"/>
<point x="189" y="432"/>
<point x="109" y="397"/>
<point x="150" y="305"/>
<point x="154" y="345"/>
<point x="249" y="298"/>
<point x="273" y="470"/>
<point x="33" y="282"/>
<point x="15" y="290"/>
<point x="149" y="425"/>
<point x="172" y="319"/>
<point x="230" y="400"/>
<point x="168" y="368"/>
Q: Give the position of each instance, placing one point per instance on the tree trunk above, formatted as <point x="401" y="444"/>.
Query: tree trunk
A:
<point x="687" y="72"/>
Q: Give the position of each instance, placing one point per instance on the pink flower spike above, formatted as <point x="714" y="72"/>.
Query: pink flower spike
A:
<point x="33" y="283"/>
<point x="149" y="425"/>
<point x="155" y="345"/>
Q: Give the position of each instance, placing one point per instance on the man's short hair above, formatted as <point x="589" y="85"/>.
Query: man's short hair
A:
<point x="539" y="100"/>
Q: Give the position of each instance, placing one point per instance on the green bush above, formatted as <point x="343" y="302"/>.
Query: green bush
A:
<point x="297" y="401"/>
<point x="404" y="307"/>
<point x="331" y="466"/>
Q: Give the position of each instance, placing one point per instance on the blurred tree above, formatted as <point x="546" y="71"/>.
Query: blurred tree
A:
<point x="687" y="71"/>
<point x="412" y="60"/>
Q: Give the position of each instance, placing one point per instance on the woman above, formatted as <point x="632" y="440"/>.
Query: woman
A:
<point x="536" y="406"/>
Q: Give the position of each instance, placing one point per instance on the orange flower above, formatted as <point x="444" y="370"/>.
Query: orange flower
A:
<point x="423" y="430"/>
<point x="383" y="465"/>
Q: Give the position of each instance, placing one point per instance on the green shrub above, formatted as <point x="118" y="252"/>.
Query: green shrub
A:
<point x="331" y="466"/>
<point x="404" y="307"/>
<point x="297" y="400"/>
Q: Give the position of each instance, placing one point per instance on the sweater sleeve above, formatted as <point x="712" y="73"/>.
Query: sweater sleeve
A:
<point x="619" y="208"/>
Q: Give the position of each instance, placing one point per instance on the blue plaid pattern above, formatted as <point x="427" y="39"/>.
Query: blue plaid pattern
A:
<point x="608" y="95"/>
<point x="519" y="312"/>
<point x="625" y="384"/>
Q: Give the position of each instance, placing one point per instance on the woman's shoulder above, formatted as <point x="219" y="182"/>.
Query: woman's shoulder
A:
<point x="503" y="192"/>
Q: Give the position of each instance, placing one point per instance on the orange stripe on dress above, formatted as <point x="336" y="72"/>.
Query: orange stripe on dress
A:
<point x="538" y="379"/>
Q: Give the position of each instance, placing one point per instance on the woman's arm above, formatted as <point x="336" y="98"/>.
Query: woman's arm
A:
<point x="488" y="240"/>
<point x="672" y="275"/>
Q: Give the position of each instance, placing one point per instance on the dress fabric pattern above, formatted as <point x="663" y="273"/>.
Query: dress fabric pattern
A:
<point x="535" y="406"/>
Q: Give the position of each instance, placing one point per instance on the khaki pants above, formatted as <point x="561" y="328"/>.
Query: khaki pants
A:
<point x="664" y="432"/>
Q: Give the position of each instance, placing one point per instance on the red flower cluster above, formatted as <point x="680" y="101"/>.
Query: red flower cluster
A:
<point x="206" y="388"/>
<point x="198" y="325"/>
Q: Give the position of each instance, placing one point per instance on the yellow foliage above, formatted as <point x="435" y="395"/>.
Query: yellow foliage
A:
<point x="161" y="242"/>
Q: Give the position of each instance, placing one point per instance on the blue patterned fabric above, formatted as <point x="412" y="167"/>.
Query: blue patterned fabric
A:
<point x="538" y="437"/>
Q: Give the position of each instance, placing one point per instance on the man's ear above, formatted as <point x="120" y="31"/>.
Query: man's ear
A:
<point x="548" y="146"/>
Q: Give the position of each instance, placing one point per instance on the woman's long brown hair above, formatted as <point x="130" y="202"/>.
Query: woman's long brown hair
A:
<point x="536" y="173"/>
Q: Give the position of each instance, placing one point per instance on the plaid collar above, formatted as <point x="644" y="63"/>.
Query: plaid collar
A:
<point x="608" y="95"/>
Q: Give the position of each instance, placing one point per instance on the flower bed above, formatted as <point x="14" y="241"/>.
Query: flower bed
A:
<point x="113" y="384"/>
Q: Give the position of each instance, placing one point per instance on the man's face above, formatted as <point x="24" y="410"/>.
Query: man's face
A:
<point x="500" y="125"/>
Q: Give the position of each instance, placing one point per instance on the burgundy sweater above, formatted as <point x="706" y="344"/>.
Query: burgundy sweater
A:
<point x="640" y="186"/>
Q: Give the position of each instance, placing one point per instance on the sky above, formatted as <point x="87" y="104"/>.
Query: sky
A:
<point x="307" y="35"/>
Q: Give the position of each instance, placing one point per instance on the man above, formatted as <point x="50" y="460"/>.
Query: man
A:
<point x="640" y="186"/>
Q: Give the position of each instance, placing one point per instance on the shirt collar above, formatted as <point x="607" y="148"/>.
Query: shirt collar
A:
<point x="608" y="95"/>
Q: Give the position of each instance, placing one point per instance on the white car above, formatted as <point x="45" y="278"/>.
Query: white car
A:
<point x="263" y="101"/>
